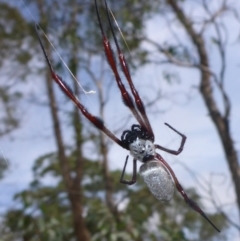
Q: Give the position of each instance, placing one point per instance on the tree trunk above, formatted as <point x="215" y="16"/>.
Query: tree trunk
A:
<point x="220" y="121"/>
<point x="76" y="192"/>
<point x="72" y="186"/>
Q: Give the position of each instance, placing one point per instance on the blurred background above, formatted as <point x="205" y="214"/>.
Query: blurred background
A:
<point x="60" y="175"/>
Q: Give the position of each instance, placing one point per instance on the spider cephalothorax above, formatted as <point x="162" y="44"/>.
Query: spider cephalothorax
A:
<point x="139" y="140"/>
<point x="142" y="150"/>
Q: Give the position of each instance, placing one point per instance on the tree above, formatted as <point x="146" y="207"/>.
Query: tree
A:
<point x="13" y="53"/>
<point x="197" y="56"/>
<point x="13" y="28"/>
<point x="45" y="209"/>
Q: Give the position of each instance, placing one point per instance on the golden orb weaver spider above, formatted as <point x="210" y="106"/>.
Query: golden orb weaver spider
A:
<point x="156" y="172"/>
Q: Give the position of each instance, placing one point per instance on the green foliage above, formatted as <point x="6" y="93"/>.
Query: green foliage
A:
<point x="44" y="209"/>
<point x="14" y="33"/>
<point x="15" y="52"/>
<point x="3" y="165"/>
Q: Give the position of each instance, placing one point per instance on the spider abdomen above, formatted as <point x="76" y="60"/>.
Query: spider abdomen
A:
<point x="158" y="180"/>
<point x="142" y="150"/>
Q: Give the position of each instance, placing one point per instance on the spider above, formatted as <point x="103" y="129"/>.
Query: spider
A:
<point x="139" y="140"/>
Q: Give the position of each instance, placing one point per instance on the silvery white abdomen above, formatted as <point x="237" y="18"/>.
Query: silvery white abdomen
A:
<point x="158" y="180"/>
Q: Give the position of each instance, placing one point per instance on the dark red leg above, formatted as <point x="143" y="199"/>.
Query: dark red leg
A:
<point x="127" y="74"/>
<point x="134" y="176"/>
<point x="173" y="151"/>
<point x="97" y="122"/>
<point x="111" y="60"/>
<point x="189" y="201"/>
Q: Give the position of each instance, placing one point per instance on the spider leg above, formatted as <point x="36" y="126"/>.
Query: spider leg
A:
<point x="134" y="176"/>
<point x="189" y="201"/>
<point x="111" y="60"/>
<point x="125" y="69"/>
<point x="97" y="122"/>
<point x="181" y="145"/>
